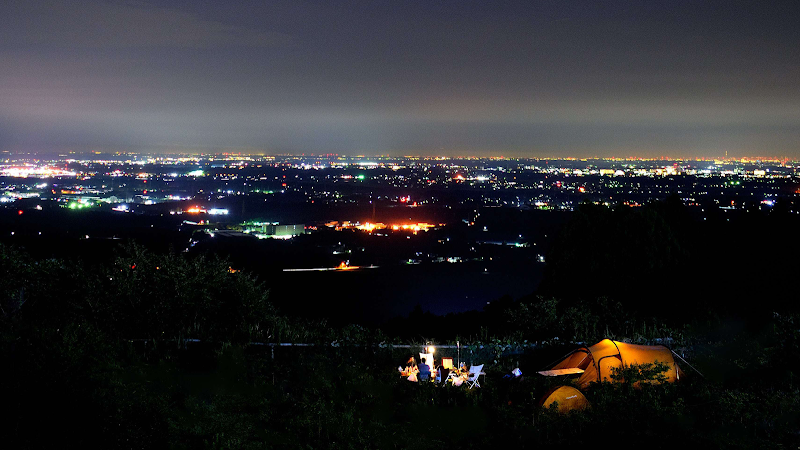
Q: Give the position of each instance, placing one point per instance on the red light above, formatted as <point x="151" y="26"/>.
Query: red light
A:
<point x="133" y="266"/>
<point x="19" y="212"/>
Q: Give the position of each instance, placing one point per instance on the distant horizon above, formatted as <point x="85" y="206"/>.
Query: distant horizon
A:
<point x="518" y="79"/>
<point x="222" y="153"/>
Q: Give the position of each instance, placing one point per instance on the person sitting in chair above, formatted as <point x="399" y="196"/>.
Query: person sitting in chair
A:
<point x="424" y="370"/>
<point x="411" y="369"/>
<point x="462" y="375"/>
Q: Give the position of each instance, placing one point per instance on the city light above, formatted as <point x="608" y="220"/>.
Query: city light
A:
<point x="35" y="171"/>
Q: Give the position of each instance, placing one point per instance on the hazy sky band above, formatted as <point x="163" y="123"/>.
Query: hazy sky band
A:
<point x="517" y="78"/>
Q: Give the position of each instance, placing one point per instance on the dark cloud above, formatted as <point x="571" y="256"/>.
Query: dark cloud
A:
<point x="550" y="77"/>
<point x="119" y="25"/>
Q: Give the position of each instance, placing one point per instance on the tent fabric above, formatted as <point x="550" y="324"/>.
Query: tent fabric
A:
<point x="568" y="399"/>
<point x="598" y="360"/>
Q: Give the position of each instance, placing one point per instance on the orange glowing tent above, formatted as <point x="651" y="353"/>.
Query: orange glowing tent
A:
<point x="594" y="363"/>
<point x="568" y="399"/>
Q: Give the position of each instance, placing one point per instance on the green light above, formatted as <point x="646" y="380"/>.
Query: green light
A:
<point x="73" y="205"/>
<point x="360" y="177"/>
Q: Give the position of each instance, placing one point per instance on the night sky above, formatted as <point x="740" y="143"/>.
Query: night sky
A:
<point x="535" y="78"/>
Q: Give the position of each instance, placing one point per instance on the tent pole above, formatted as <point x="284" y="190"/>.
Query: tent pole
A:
<point x="687" y="363"/>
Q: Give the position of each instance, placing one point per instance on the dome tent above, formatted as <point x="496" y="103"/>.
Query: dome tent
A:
<point x="567" y="397"/>
<point x="595" y="363"/>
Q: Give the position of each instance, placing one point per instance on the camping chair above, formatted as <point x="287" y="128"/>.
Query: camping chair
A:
<point x="474" y="373"/>
<point x="423" y="376"/>
<point x="442" y="375"/>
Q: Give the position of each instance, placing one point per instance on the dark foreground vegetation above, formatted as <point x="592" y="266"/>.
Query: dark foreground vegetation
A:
<point x="97" y="355"/>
